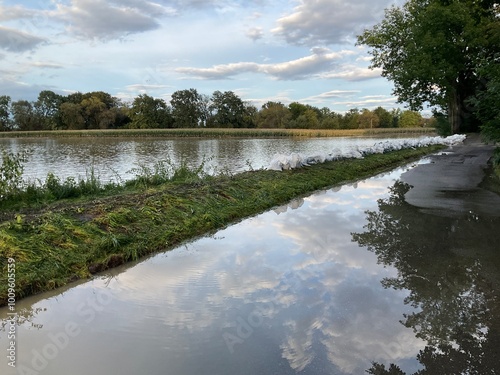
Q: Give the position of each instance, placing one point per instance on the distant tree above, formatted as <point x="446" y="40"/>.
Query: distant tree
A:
<point x="72" y="116"/>
<point x="297" y="109"/>
<point x="410" y="119"/>
<point x="250" y="117"/>
<point x="304" y="116"/>
<point x="396" y="115"/>
<point x="25" y="116"/>
<point x="384" y="117"/>
<point x="227" y="110"/>
<point x="47" y="108"/>
<point x="93" y="111"/>
<point x="273" y="115"/>
<point x="368" y="119"/>
<point x="350" y="119"/>
<point x="5" y="123"/>
<point x="189" y="108"/>
<point x="330" y="119"/>
<point x="147" y="112"/>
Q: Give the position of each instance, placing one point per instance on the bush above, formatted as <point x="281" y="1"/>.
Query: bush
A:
<point x="11" y="173"/>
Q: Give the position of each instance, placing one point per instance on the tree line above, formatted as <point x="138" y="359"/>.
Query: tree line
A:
<point x="186" y="109"/>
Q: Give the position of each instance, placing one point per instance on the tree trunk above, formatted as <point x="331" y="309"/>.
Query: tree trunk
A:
<point x="454" y="112"/>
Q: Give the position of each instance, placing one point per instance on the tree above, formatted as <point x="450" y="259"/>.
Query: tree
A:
<point x="330" y="119"/>
<point x="189" y="108"/>
<point x="147" y="112"/>
<point x="227" y="110"/>
<point x="487" y="101"/>
<point x="71" y="116"/>
<point x="47" y="108"/>
<point x="368" y="119"/>
<point x="384" y="117"/>
<point x="250" y="117"/>
<point x="25" y="117"/>
<point x="303" y="116"/>
<point x="350" y="119"/>
<point x="429" y="49"/>
<point x="4" y="112"/>
<point x="273" y="115"/>
<point x="410" y="119"/>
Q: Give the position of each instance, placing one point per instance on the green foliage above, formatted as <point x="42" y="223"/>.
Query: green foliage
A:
<point x="147" y="112"/>
<point x="442" y="124"/>
<point x="11" y="173"/>
<point x="189" y="108"/>
<point x="71" y="188"/>
<point x="430" y="50"/>
<point x="273" y="115"/>
<point x="227" y="111"/>
<point x="5" y="113"/>
<point x="410" y="119"/>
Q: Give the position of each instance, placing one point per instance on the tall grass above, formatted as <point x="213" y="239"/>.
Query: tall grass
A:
<point x="15" y="192"/>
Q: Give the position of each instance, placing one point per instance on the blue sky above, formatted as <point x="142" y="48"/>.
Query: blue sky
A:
<point x="280" y="50"/>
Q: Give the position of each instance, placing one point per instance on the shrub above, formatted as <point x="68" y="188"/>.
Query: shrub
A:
<point x="11" y="173"/>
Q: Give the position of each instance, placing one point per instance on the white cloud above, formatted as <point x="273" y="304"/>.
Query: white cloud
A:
<point x="328" y="21"/>
<point x="320" y="60"/>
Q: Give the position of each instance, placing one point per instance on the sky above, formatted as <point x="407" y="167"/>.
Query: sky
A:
<point x="262" y="50"/>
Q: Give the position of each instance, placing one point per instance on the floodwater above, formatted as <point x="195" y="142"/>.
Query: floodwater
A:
<point x="328" y="284"/>
<point x="114" y="159"/>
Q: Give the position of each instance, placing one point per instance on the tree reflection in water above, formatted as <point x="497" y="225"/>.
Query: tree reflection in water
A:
<point x="451" y="268"/>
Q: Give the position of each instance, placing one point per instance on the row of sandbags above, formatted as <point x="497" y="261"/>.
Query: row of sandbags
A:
<point x="283" y="162"/>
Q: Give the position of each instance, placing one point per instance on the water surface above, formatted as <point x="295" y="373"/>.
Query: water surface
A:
<point x="113" y="159"/>
<point x="319" y="286"/>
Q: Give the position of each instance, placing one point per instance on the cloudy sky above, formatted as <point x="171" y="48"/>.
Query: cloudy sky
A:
<point x="280" y="50"/>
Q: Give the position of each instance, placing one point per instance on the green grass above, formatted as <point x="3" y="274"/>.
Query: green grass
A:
<point x="217" y="133"/>
<point x="70" y="239"/>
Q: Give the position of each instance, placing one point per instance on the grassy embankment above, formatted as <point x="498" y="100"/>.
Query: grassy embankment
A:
<point x="209" y="132"/>
<point x="65" y="240"/>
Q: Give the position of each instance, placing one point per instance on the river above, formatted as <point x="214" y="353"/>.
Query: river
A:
<point x="328" y="284"/>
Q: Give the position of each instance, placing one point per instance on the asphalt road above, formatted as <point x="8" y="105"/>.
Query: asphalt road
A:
<point x="449" y="184"/>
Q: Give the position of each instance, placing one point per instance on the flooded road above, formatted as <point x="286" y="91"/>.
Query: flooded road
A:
<point x="328" y="284"/>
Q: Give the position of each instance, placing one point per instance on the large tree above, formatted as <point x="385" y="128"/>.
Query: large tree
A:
<point x="430" y="50"/>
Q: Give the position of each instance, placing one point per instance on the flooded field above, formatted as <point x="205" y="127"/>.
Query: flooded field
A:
<point x="328" y="284"/>
<point x="113" y="159"/>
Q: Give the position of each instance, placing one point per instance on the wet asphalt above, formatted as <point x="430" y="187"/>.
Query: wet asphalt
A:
<point x="450" y="184"/>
